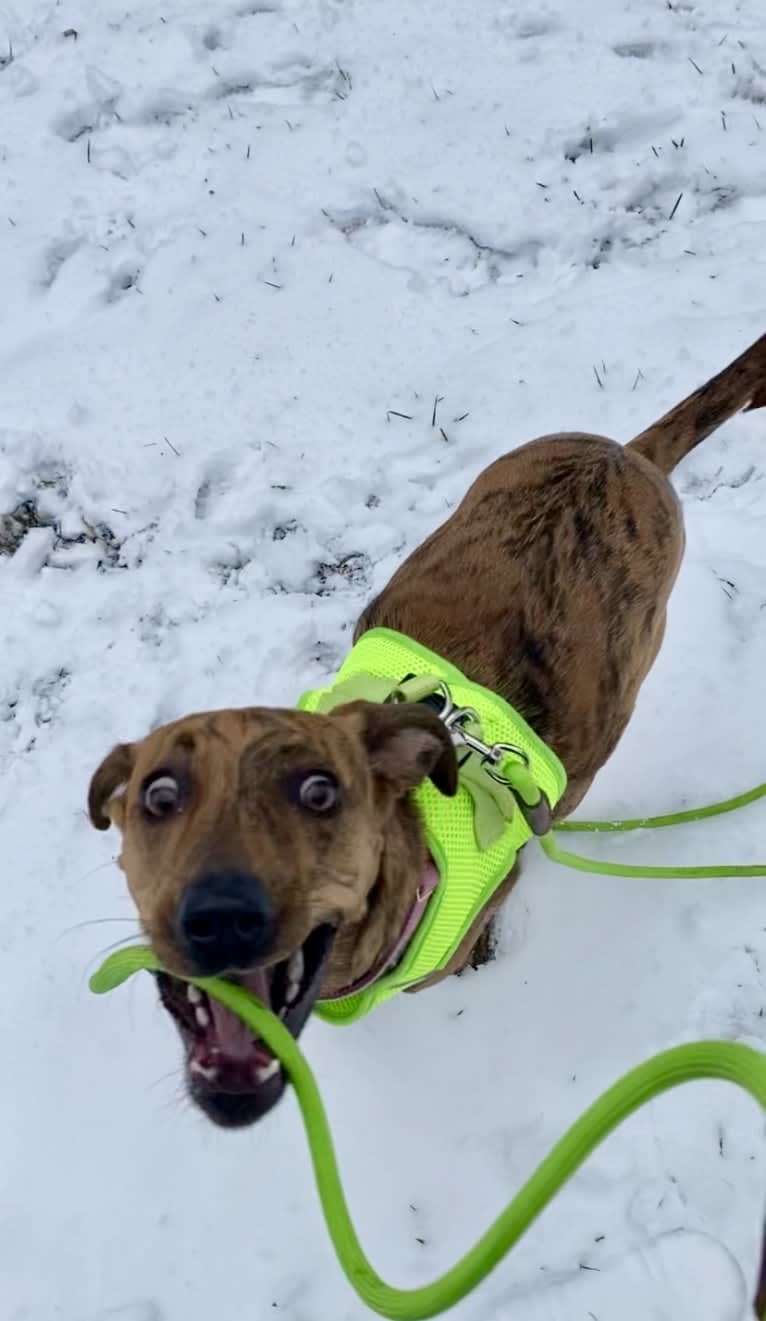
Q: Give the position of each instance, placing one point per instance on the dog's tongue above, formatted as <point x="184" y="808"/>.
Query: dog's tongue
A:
<point x="235" y="1037"/>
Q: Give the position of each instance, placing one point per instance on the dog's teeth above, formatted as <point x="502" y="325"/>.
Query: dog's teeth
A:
<point x="202" y="1016"/>
<point x="267" y="1071"/>
<point x="209" y="1073"/>
<point x="296" y="967"/>
<point x="194" y="994"/>
<point x="283" y="1012"/>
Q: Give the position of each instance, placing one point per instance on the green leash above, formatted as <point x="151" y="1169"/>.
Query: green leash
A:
<point x="705" y="1060"/>
<point x="556" y="854"/>
<point x="659" y="822"/>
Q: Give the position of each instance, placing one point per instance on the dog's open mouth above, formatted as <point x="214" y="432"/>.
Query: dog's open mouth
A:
<point x="232" y="1075"/>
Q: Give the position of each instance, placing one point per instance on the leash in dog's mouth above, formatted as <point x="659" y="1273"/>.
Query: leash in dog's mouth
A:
<point x="231" y="1074"/>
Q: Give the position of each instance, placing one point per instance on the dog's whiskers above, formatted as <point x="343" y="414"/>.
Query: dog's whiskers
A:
<point x="178" y="1101"/>
<point x="97" y="922"/>
<point x="117" y="944"/>
<point x="102" y="866"/>
<point x="175" y="1074"/>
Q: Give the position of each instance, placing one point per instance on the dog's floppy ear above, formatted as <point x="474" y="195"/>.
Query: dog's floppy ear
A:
<point x="407" y="742"/>
<point x="114" y="771"/>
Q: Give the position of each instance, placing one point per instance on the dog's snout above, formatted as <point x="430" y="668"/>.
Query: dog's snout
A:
<point x="225" y="923"/>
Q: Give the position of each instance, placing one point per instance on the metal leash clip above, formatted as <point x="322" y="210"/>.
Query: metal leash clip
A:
<point x="492" y="754"/>
<point x="537" y="815"/>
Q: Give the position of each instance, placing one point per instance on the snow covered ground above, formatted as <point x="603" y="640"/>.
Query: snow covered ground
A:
<point x="243" y="247"/>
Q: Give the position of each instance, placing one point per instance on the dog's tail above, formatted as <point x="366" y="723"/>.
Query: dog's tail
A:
<point x="740" y="386"/>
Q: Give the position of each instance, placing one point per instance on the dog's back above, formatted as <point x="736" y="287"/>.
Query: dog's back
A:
<point x="549" y="583"/>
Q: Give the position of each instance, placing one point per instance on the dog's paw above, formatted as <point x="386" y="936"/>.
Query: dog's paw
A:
<point x="485" y="949"/>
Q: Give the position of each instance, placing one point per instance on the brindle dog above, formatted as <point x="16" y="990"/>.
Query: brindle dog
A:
<point x="281" y="847"/>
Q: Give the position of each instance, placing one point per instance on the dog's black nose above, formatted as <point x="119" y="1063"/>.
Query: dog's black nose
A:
<point x="225" y="922"/>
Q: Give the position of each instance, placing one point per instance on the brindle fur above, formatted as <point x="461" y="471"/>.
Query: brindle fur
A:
<point x="549" y="585"/>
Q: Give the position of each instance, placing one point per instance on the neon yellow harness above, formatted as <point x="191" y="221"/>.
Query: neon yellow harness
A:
<point x="470" y="866"/>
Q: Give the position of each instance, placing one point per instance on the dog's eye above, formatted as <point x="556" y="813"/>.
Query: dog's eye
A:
<point x="319" y="793"/>
<point x="161" y="795"/>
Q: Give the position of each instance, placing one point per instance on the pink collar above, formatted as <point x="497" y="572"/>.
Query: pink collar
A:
<point x="428" y="883"/>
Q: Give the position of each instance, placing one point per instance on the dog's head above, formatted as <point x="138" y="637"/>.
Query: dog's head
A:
<point x="249" y="838"/>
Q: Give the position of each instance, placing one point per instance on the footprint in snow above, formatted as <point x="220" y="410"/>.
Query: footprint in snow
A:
<point x="435" y="251"/>
<point x="122" y="281"/>
<point x="252" y="9"/>
<point x="640" y="50"/>
<point x="55" y="257"/>
<point x="526" y="24"/>
<point x="97" y="112"/>
<point x="221" y="35"/>
<point x="297" y="81"/>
